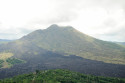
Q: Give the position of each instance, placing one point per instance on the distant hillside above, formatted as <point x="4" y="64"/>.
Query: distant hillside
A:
<point x="60" y="76"/>
<point x="121" y="43"/>
<point x="4" y="41"/>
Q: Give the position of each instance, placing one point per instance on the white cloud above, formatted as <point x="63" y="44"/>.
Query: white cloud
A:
<point x="98" y="18"/>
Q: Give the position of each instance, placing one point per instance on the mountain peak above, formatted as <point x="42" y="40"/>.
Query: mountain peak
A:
<point x="53" y="26"/>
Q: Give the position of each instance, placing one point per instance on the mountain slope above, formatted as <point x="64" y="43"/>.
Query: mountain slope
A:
<point x="60" y="76"/>
<point x="70" y="41"/>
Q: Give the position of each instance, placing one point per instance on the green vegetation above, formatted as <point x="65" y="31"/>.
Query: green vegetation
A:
<point x="60" y="76"/>
<point x="1" y="61"/>
<point x="70" y="41"/>
<point x="14" y="61"/>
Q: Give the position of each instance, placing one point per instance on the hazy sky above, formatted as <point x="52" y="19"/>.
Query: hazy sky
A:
<point x="103" y="19"/>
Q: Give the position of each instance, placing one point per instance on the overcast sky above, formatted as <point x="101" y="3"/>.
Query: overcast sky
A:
<point x="103" y="19"/>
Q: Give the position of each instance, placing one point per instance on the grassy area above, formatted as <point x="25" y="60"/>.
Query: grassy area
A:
<point x="4" y="56"/>
<point x="6" y="61"/>
<point x="114" y="60"/>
